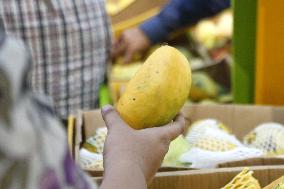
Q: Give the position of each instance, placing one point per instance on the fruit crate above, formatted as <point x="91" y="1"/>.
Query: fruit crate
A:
<point x="213" y="178"/>
<point x="239" y="118"/>
<point x="267" y="176"/>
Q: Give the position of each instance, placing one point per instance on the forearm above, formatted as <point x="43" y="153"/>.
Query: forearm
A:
<point x="178" y="14"/>
<point x="123" y="175"/>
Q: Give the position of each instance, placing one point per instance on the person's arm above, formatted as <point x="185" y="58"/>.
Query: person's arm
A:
<point x="124" y="174"/>
<point x="132" y="157"/>
<point x="178" y="14"/>
<point x="175" y="15"/>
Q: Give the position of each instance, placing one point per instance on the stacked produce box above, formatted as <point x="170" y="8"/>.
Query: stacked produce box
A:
<point x="246" y="135"/>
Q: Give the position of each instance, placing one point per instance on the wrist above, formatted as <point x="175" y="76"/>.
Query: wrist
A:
<point x="116" y="158"/>
<point x="123" y="174"/>
<point x="155" y="30"/>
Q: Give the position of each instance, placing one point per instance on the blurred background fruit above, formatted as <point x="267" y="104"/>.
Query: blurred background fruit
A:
<point x="177" y="147"/>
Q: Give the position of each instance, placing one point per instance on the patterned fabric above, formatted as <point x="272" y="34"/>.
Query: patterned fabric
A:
<point x="33" y="149"/>
<point x="70" y="42"/>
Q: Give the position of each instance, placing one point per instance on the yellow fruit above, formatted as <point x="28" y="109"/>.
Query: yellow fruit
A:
<point x="157" y="91"/>
<point x="206" y="33"/>
<point x="116" y="6"/>
<point x="124" y="72"/>
<point x="203" y="87"/>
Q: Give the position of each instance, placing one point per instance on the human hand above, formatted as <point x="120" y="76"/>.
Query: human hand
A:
<point x="131" y="41"/>
<point x="142" y="149"/>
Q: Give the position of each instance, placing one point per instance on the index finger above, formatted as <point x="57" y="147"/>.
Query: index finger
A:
<point x="173" y="129"/>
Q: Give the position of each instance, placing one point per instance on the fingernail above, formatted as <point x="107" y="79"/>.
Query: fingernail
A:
<point x="106" y="108"/>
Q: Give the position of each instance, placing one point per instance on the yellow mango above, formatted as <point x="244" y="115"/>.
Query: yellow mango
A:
<point x="157" y="91"/>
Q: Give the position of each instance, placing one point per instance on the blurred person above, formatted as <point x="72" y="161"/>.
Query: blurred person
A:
<point x="175" y="15"/>
<point x="33" y="146"/>
<point x="70" y="44"/>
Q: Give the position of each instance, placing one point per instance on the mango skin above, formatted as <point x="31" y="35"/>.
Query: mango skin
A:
<point x="158" y="90"/>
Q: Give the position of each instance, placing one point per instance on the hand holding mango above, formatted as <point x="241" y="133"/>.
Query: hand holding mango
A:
<point x="157" y="92"/>
<point x="139" y="152"/>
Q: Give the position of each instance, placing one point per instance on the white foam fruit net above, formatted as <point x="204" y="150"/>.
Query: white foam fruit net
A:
<point x="90" y="156"/>
<point x="96" y="143"/>
<point x="213" y="144"/>
<point x="211" y="135"/>
<point x="268" y="137"/>
<point x="200" y="158"/>
<point x="243" y="180"/>
<point x="90" y="161"/>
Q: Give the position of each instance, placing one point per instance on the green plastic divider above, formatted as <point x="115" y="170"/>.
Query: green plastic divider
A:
<point x="104" y="96"/>
<point x="244" y="50"/>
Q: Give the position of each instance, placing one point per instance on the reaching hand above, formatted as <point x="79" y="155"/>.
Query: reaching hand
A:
<point x="131" y="41"/>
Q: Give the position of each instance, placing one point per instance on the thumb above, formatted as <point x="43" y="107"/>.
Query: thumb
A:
<point x="111" y="117"/>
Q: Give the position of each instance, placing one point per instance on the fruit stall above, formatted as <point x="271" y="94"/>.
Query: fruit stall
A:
<point x="228" y="83"/>
<point x="207" y="46"/>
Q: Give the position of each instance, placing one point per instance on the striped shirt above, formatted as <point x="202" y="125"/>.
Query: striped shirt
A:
<point x="69" y="41"/>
